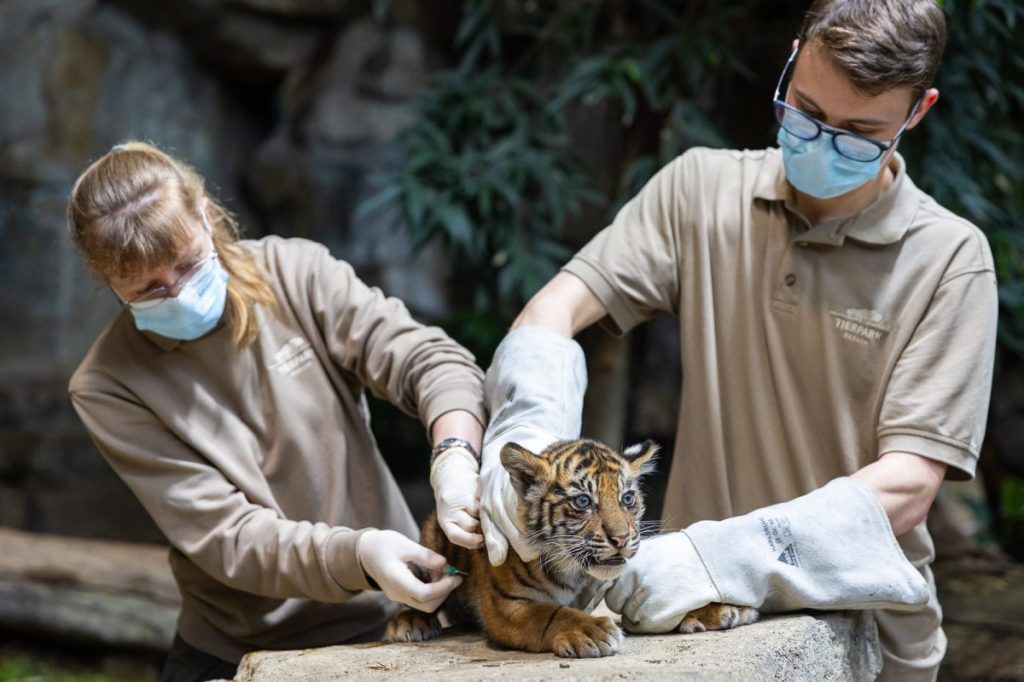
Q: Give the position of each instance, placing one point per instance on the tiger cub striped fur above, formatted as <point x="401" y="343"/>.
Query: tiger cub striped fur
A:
<point x="581" y="506"/>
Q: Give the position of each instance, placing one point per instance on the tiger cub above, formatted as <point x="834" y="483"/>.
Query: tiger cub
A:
<point x="581" y="506"/>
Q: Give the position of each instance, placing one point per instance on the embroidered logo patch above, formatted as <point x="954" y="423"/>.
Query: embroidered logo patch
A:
<point x="292" y="357"/>
<point x="860" y="325"/>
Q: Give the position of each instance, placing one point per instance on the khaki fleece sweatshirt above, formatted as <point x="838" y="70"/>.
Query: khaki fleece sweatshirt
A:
<point x="258" y="464"/>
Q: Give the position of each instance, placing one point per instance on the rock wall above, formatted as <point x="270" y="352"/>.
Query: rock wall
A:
<point x="287" y="108"/>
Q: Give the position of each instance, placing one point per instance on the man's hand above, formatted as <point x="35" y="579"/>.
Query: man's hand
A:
<point x="534" y="392"/>
<point x="661" y="584"/>
<point x="385" y="556"/>
<point x="499" y="513"/>
<point x="456" y="482"/>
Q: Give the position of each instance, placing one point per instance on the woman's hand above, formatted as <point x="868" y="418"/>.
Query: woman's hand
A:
<point x="385" y="556"/>
<point x="455" y="478"/>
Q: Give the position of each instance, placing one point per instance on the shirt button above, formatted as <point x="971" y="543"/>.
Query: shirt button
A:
<point x="790" y="279"/>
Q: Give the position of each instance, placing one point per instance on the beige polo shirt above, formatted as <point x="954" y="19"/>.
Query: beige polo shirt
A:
<point x="807" y="351"/>
<point x="259" y="465"/>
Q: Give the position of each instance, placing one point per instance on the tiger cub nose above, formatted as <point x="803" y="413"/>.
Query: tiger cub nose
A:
<point x="618" y="540"/>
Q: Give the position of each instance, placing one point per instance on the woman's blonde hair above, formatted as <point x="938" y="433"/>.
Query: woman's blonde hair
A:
<point x="135" y="209"/>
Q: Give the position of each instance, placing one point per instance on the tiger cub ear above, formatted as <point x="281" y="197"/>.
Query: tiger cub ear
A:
<point x="641" y="457"/>
<point x="526" y="469"/>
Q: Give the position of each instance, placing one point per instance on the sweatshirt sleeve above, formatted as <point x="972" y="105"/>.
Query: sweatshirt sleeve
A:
<point x="418" y="368"/>
<point x="245" y="546"/>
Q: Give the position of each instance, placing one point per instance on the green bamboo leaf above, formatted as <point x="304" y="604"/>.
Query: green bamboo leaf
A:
<point x="385" y="197"/>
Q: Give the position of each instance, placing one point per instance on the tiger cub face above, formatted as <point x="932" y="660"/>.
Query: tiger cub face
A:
<point x="580" y="503"/>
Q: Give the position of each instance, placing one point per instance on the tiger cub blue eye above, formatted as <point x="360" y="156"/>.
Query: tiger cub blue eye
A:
<point x="580" y="502"/>
<point x="628" y="498"/>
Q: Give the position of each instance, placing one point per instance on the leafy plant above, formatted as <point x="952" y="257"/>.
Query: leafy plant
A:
<point x="1012" y="516"/>
<point x="494" y="171"/>
<point x="489" y="168"/>
<point x="969" y="154"/>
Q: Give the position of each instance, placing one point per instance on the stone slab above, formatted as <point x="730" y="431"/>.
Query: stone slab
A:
<point x="826" y="646"/>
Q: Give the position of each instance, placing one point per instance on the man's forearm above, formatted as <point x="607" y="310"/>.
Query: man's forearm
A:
<point x="565" y="306"/>
<point x="905" y="485"/>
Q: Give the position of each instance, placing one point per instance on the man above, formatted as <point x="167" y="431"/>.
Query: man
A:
<point x="838" y="331"/>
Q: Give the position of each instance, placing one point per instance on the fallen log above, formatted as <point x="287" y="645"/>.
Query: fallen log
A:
<point x="90" y="591"/>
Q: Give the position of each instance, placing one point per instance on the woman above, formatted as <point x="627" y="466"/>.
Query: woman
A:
<point x="229" y="396"/>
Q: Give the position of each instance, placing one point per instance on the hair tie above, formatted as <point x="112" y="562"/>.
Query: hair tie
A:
<point x="118" y="148"/>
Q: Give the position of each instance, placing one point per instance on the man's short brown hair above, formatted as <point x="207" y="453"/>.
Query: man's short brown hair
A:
<point x="880" y="44"/>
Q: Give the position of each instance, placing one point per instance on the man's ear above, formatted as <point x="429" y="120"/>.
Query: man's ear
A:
<point x="928" y="99"/>
<point x="527" y="470"/>
<point x="642" y="457"/>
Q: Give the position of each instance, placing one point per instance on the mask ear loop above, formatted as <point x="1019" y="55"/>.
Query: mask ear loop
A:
<point x="123" y="303"/>
<point x="209" y="230"/>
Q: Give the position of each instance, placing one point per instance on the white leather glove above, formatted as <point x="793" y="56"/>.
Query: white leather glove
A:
<point x="455" y="478"/>
<point x="534" y="391"/>
<point x="385" y="556"/>
<point x="832" y="548"/>
<point x="663" y="582"/>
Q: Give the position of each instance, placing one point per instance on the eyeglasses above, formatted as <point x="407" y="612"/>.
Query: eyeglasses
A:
<point x="153" y="297"/>
<point x="851" y="145"/>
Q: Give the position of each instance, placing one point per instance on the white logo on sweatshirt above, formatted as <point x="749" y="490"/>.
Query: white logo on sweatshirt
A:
<point x="292" y="357"/>
<point x="860" y="325"/>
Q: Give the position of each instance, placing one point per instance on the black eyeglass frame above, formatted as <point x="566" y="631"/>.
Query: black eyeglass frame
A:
<point x="838" y="134"/>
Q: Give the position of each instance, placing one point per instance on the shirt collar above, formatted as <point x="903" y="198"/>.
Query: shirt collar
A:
<point x="883" y="222"/>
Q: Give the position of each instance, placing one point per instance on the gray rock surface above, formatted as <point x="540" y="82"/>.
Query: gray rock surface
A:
<point x="831" y="646"/>
<point x="285" y="107"/>
<point x="78" y="77"/>
<point x="341" y="116"/>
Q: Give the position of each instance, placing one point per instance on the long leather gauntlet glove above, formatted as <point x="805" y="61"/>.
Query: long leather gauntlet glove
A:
<point x="832" y="548"/>
<point x="534" y="390"/>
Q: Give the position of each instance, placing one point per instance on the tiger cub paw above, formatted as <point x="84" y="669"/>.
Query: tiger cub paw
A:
<point x="413" y="626"/>
<point x="718" y="617"/>
<point x="588" y="637"/>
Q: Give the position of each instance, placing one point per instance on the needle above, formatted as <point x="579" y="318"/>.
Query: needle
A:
<point x="451" y="570"/>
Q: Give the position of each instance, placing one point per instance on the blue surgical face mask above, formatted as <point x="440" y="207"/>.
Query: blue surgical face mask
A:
<point x="193" y="312"/>
<point x="811" y="149"/>
<point x="815" y="167"/>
